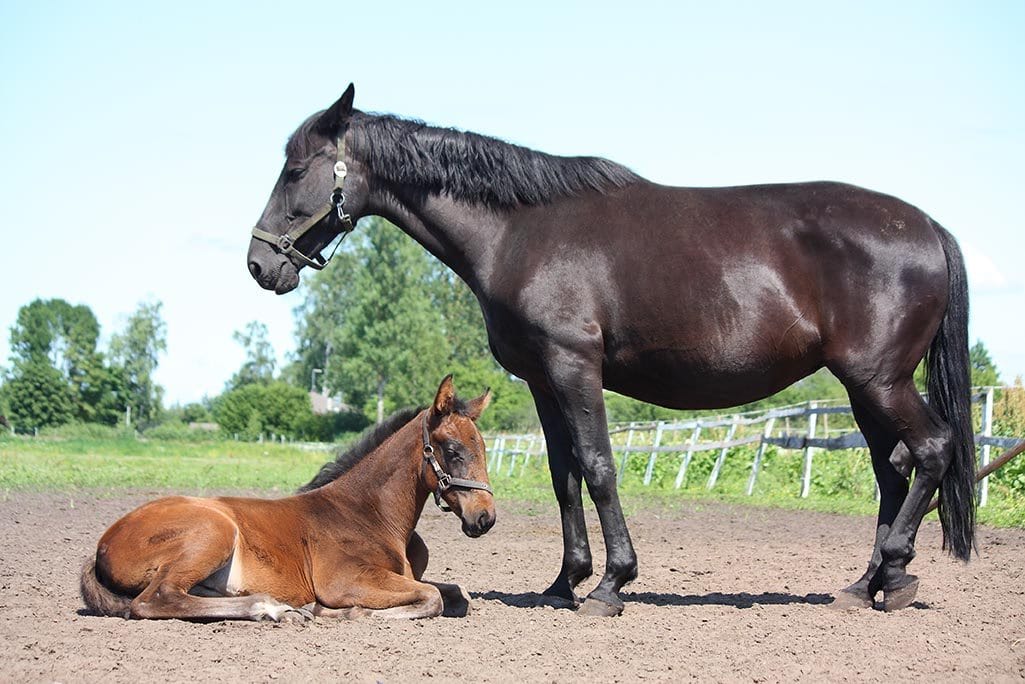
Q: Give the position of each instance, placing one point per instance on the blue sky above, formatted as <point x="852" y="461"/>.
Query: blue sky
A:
<point x="140" y="142"/>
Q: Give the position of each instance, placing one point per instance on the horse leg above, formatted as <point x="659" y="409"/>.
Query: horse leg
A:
<point x="167" y="596"/>
<point x="379" y="593"/>
<point x="893" y="489"/>
<point x="576" y="552"/>
<point x="417" y="556"/>
<point x="576" y="384"/>
<point x="930" y="444"/>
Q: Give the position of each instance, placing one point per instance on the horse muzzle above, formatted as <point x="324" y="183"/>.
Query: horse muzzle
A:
<point x="476" y="524"/>
<point x="270" y="269"/>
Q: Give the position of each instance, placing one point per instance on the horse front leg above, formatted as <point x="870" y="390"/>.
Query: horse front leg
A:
<point x="576" y="385"/>
<point x="358" y="592"/>
<point x="576" y="551"/>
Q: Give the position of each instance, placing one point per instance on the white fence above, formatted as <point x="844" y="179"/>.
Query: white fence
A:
<point x="790" y="427"/>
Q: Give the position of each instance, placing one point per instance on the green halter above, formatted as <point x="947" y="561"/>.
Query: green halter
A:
<point x="286" y="242"/>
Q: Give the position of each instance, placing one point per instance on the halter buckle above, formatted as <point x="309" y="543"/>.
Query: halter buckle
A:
<point x="285" y="242"/>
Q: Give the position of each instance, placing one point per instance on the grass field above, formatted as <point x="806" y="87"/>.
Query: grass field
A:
<point x="842" y="481"/>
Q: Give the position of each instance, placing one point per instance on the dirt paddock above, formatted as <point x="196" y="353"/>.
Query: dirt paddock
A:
<point x="725" y="593"/>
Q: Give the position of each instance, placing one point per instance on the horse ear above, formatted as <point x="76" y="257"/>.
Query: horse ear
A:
<point x="445" y="399"/>
<point x="337" y="114"/>
<point x="475" y="407"/>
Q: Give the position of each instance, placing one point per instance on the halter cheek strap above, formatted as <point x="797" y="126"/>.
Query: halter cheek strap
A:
<point x="445" y="481"/>
<point x="286" y="242"/>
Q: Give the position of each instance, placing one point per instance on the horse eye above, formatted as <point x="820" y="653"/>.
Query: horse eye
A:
<point x="295" y="173"/>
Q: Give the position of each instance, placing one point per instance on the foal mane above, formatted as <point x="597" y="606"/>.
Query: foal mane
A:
<point x="469" y="167"/>
<point x="371" y="438"/>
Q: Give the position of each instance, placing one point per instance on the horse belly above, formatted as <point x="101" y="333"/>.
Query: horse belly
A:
<point x="681" y="380"/>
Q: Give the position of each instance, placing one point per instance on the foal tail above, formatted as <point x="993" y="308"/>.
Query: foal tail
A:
<point x="949" y="385"/>
<point x="97" y="597"/>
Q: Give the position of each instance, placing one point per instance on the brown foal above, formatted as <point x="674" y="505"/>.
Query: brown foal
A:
<point x="345" y="547"/>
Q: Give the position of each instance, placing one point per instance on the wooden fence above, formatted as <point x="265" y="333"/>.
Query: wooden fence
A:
<point x="804" y="427"/>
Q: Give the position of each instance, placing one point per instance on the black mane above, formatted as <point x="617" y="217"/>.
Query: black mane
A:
<point x="466" y="166"/>
<point x="373" y="437"/>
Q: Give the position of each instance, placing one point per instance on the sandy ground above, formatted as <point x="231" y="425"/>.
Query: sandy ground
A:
<point x="725" y="593"/>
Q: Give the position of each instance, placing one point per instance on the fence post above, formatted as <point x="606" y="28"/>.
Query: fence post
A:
<point x="987" y="431"/>
<point x="626" y="454"/>
<point x="512" y="457"/>
<point x="654" y="453"/>
<point x="690" y="452"/>
<point x="722" y="454"/>
<point x="499" y="452"/>
<point x="766" y="433"/>
<point x="806" y="478"/>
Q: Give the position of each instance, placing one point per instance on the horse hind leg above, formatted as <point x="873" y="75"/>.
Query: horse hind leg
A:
<point x="168" y="597"/>
<point x="929" y="441"/>
<point x="893" y="489"/>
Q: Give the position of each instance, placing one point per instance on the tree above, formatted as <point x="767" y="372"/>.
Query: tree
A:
<point x="55" y="334"/>
<point x="136" y="352"/>
<point x="37" y="396"/>
<point x="386" y="309"/>
<point x="258" y="368"/>
<point x="984" y="371"/>
<point x="253" y="409"/>
<point x="390" y="346"/>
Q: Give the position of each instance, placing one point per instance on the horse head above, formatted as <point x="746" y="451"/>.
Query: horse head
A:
<point x="458" y="474"/>
<point x="317" y="195"/>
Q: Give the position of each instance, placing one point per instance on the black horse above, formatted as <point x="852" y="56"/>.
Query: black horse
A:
<point x="590" y="276"/>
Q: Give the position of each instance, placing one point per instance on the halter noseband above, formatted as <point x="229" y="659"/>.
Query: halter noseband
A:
<point x="286" y="242"/>
<point x="445" y="481"/>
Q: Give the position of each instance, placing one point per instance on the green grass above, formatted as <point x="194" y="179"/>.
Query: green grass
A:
<point x="53" y="464"/>
<point x="842" y="481"/>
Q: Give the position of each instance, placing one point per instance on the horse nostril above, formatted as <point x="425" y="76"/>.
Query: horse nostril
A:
<point x="484" y="521"/>
<point x="254" y="268"/>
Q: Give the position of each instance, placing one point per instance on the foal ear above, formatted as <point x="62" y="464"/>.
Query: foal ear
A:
<point x="445" y="399"/>
<point x="337" y="114"/>
<point x="475" y="407"/>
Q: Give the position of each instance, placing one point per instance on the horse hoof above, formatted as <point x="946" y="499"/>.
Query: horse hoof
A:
<point x="901" y="597"/>
<point x="595" y="608"/>
<point x="296" y="616"/>
<point x="559" y="596"/>
<point x="850" y="600"/>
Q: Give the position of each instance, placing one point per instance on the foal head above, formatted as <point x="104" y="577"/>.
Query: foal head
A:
<point x="459" y="450"/>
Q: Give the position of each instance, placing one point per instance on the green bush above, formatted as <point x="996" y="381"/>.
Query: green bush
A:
<point x="89" y="431"/>
<point x="176" y="431"/>
<point x="276" y="408"/>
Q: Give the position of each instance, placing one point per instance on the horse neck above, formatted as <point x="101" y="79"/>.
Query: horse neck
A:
<point x="464" y="237"/>
<point x="386" y="487"/>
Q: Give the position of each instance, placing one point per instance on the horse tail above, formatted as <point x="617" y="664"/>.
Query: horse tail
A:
<point x="98" y="598"/>
<point x="948" y="373"/>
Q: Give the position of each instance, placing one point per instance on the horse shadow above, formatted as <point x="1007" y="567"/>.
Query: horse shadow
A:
<point x="739" y="600"/>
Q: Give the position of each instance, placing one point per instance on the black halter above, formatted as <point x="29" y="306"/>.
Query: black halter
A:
<point x="286" y="242"/>
<point x="445" y="481"/>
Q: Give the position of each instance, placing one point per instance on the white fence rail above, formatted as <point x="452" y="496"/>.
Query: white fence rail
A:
<point x="791" y="427"/>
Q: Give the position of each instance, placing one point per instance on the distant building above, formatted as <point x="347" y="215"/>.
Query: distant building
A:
<point x="323" y="404"/>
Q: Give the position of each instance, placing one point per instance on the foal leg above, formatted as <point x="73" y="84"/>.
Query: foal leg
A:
<point x="893" y="489"/>
<point x="417" y="556"/>
<point x="576" y="552"/>
<point x="379" y="593"/>
<point x="576" y="384"/>
<point x="168" y="596"/>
